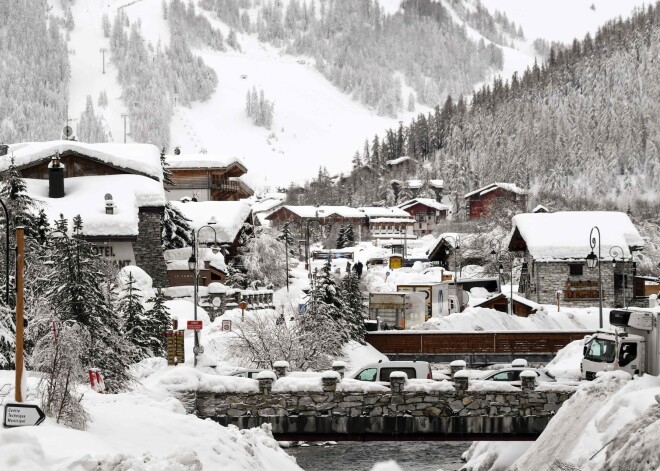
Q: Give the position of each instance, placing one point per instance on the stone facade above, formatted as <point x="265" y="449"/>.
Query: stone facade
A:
<point x="148" y="247"/>
<point x="546" y="278"/>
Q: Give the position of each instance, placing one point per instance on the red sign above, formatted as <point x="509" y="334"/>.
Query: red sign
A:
<point x="194" y="325"/>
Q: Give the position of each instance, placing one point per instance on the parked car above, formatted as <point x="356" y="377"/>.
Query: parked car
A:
<point x="247" y="373"/>
<point x="512" y="375"/>
<point x="381" y="371"/>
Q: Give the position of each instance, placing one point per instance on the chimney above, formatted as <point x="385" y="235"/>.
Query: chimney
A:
<point x="56" y="177"/>
<point x="4" y="148"/>
<point x="109" y="204"/>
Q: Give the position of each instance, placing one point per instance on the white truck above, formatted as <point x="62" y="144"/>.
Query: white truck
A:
<point x="442" y="299"/>
<point x="633" y="346"/>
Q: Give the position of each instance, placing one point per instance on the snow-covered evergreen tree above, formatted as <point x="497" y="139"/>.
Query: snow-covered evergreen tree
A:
<point x="177" y="232"/>
<point x="349" y="236"/>
<point x="354" y="310"/>
<point x="341" y="237"/>
<point x="159" y="322"/>
<point x="90" y="126"/>
<point x="136" y="326"/>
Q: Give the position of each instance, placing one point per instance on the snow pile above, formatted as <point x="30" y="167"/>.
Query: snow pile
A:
<point x="483" y="319"/>
<point x="487" y="386"/>
<point x="142" y="430"/>
<point x="425" y="385"/>
<point x="566" y="364"/>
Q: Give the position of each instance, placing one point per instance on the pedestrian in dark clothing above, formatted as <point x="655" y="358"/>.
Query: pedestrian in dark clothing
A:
<point x="358" y="269"/>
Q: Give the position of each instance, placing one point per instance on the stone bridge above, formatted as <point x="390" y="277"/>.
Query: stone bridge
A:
<point x="327" y="407"/>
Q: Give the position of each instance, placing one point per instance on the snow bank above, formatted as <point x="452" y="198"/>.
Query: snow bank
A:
<point x="486" y="386"/>
<point x="425" y="385"/>
<point x="566" y="364"/>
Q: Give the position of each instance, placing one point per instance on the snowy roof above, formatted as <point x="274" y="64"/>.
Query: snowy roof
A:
<point x="229" y="218"/>
<point x="177" y="259"/>
<point x="266" y="204"/>
<point x="141" y="158"/>
<point x="512" y="187"/>
<point x="391" y="221"/>
<point x="565" y="234"/>
<point x="382" y="212"/>
<point x="202" y="161"/>
<point x="419" y="183"/>
<point x="85" y="196"/>
<point x="540" y="209"/>
<point x="398" y="161"/>
<point x="325" y="211"/>
<point x="516" y="298"/>
<point x="430" y="202"/>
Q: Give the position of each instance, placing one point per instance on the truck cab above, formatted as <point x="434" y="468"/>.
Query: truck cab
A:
<point x="633" y="346"/>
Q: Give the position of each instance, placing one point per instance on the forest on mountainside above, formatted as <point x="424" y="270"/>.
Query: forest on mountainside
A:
<point x="34" y="83"/>
<point x="153" y="80"/>
<point x="369" y="54"/>
<point x="582" y="130"/>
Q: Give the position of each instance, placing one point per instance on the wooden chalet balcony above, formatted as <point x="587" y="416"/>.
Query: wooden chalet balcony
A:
<point x="202" y="183"/>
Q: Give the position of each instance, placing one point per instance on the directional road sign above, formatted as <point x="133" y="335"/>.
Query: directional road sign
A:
<point x="21" y="415"/>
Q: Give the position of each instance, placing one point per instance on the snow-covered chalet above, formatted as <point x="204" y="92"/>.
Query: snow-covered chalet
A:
<point x="555" y="247"/>
<point x="116" y="189"/>
<point x="480" y="202"/>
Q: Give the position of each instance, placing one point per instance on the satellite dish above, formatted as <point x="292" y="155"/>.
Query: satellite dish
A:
<point x="67" y="131"/>
<point x="177" y="151"/>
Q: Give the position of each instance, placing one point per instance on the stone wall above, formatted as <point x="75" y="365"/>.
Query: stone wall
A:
<point x="550" y="277"/>
<point x="399" y="400"/>
<point x="148" y="248"/>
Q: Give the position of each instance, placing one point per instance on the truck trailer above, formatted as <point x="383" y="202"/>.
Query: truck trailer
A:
<point x="442" y="299"/>
<point x="633" y="346"/>
<point x="397" y="310"/>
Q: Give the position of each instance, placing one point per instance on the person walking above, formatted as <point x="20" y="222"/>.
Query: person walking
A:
<point x="358" y="269"/>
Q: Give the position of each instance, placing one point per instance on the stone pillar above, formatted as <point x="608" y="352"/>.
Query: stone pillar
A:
<point x="339" y="367"/>
<point x="398" y="381"/>
<point x="147" y="248"/>
<point x="329" y="379"/>
<point x="280" y="368"/>
<point x="461" y="382"/>
<point x="528" y="380"/>
<point x="456" y="365"/>
<point x="266" y="380"/>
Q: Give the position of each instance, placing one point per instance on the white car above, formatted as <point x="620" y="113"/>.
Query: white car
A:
<point x="512" y="375"/>
<point x="380" y="372"/>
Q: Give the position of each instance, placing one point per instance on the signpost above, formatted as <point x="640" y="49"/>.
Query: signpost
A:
<point x="194" y="325"/>
<point x="243" y="306"/>
<point x="22" y="415"/>
<point x="175" y="351"/>
<point x="226" y="325"/>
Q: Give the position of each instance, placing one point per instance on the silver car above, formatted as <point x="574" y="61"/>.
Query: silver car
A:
<point x="512" y="375"/>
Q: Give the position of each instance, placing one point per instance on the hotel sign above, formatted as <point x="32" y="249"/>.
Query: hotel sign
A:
<point x="576" y="290"/>
<point x="119" y="253"/>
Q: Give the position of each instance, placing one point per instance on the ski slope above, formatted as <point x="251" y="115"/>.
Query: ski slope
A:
<point x="314" y="123"/>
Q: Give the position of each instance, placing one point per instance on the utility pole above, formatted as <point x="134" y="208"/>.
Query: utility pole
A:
<point x="124" y="116"/>
<point x="103" y="51"/>
<point x="20" y="262"/>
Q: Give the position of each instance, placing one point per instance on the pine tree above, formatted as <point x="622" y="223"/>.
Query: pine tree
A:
<point x="19" y="204"/>
<point x="341" y="237"/>
<point x="74" y="290"/>
<point x="136" y="324"/>
<point x="354" y="311"/>
<point x="349" y="237"/>
<point x="159" y="322"/>
<point x="165" y="166"/>
<point x="177" y="232"/>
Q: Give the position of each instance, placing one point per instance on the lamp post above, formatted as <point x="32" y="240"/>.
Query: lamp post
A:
<point x="2" y="203"/>
<point x="592" y="261"/>
<point x="493" y="254"/>
<point x="307" y="254"/>
<point x="457" y="242"/>
<point x="497" y="256"/>
<point x="617" y="252"/>
<point x="286" y="246"/>
<point x="193" y="266"/>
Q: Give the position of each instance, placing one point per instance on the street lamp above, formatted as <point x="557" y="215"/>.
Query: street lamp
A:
<point x="592" y="261"/>
<point x="617" y="252"/>
<point x="193" y="266"/>
<point x="457" y="242"/>
<point x="286" y="247"/>
<point x="497" y="256"/>
<point x="493" y="254"/>
<point x="307" y="254"/>
<point x="2" y="203"/>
